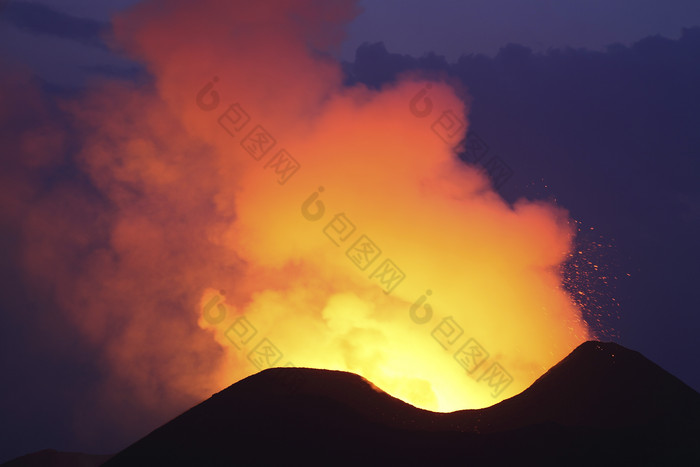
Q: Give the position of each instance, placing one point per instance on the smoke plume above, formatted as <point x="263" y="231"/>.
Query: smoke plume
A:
<point x="246" y="209"/>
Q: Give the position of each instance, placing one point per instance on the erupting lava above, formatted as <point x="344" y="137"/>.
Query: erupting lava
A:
<point x="246" y="209"/>
<point x="367" y="245"/>
<point x="378" y="252"/>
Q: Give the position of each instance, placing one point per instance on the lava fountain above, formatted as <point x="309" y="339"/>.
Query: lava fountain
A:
<point x="244" y="208"/>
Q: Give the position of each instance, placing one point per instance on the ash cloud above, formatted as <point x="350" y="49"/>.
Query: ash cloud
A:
<point x="125" y="209"/>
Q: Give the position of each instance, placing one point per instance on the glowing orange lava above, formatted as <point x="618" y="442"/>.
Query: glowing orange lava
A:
<point x="243" y="208"/>
<point x="383" y="255"/>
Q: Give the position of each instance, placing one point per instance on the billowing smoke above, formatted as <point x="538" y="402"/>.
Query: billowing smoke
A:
<point x="245" y="209"/>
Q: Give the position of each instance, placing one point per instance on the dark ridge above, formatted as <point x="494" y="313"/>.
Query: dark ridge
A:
<point x="53" y="458"/>
<point x="599" y="385"/>
<point x="603" y="403"/>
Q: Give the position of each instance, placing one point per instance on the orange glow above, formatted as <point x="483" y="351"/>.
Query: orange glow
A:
<point x="364" y="155"/>
<point x="493" y="268"/>
<point x="193" y="242"/>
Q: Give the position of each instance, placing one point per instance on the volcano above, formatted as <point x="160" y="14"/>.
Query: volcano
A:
<point x="602" y="405"/>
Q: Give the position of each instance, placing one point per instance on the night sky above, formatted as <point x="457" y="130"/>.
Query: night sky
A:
<point x="594" y="105"/>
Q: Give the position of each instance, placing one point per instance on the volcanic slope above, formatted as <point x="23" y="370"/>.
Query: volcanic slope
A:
<point x="603" y="404"/>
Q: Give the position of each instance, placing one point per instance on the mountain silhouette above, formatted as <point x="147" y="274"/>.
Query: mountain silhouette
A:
<point x="53" y="458"/>
<point x="602" y="405"/>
